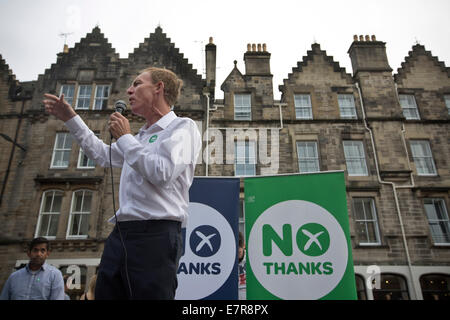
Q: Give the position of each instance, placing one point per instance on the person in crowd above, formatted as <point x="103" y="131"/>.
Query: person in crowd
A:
<point x="241" y="268"/>
<point x="37" y="280"/>
<point x="90" y="294"/>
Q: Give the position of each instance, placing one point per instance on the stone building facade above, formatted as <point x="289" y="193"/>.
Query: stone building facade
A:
<point x="388" y="132"/>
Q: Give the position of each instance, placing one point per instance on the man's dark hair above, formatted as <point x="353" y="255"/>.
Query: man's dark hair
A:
<point x="241" y="240"/>
<point x="37" y="241"/>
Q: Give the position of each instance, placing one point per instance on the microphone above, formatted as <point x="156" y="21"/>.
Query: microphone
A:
<point x="120" y="106"/>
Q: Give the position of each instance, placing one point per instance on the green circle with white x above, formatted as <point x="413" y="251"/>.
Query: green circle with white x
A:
<point x="153" y="138"/>
<point x="313" y="239"/>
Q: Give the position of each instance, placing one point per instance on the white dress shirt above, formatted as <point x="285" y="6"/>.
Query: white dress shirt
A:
<point x="157" y="166"/>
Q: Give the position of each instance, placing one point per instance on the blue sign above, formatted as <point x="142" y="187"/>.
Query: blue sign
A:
<point x="208" y="265"/>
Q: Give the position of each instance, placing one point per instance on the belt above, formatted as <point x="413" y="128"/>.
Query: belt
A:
<point x="148" y="225"/>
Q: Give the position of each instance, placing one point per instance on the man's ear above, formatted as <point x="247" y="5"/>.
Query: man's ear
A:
<point x="160" y="87"/>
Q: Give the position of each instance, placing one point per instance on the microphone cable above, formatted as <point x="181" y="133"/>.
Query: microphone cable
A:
<point x="117" y="221"/>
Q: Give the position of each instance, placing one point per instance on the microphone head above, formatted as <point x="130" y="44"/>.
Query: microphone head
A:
<point x="120" y="106"/>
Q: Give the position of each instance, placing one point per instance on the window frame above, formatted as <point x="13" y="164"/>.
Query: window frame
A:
<point x="362" y="159"/>
<point x="247" y="158"/>
<point x="245" y="111"/>
<point x="446" y="220"/>
<point x="72" y="214"/>
<point x="64" y="150"/>
<point x="37" y="232"/>
<point x="81" y="156"/>
<point x="447" y="102"/>
<point x="361" y="291"/>
<point x="402" y="291"/>
<point x="427" y="292"/>
<point x="374" y="220"/>
<point x="308" y="159"/>
<point x="102" y="99"/>
<point x="352" y="108"/>
<point x="69" y="98"/>
<point x="300" y="108"/>
<point x="85" y="98"/>
<point x="407" y="106"/>
<point x="417" y="158"/>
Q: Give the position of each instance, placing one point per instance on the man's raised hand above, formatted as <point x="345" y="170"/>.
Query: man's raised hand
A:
<point x="58" y="107"/>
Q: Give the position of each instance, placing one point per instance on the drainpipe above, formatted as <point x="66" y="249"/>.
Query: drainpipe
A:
<point x="14" y="143"/>
<point x="281" y="104"/>
<point x="206" y="94"/>
<point x="412" y="185"/>
<point x="393" y="185"/>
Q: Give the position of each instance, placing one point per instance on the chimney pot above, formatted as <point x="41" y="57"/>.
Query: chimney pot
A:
<point x="361" y="38"/>
<point x="211" y="40"/>
<point x="367" y="38"/>
<point x="355" y="37"/>
<point x="259" y="47"/>
<point x="374" y="38"/>
<point x="249" y="47"/>
<point x="264" y="47"/>
<point x="253" y="47"/>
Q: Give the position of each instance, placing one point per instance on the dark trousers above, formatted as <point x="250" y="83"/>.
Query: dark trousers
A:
<point x="153" y="251"/>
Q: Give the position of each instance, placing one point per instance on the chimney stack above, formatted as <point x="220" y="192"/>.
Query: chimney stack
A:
<point x="210" y="56"/>
<point x="368" y="54"/>
<point x="257" y="60"/>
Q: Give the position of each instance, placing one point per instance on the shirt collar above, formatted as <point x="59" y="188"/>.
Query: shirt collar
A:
<point x="163" y="122"/>
<point x="43" y="267"/>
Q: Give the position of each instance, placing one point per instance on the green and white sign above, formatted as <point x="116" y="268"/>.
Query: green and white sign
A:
<point x="298" y="239"/>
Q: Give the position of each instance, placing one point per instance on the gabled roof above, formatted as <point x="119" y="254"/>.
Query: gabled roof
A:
<point x="316" y="51"/>
<point x="157" y="50"/>
<point x="235" y="74"/>
<point x="418" y="50"/>
<point x="94" y="41"/>
<point x="94" y="49"/>
<point x="6" y="74"/>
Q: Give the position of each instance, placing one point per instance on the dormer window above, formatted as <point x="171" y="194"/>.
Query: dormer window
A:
<point x="242" y="107"/>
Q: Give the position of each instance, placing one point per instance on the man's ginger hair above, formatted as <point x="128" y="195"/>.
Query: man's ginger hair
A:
<point x="172" y="84"/>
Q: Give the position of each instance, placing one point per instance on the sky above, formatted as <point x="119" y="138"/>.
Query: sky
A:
<point x="30" y="30"/>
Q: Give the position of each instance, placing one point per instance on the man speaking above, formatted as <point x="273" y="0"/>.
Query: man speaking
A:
<point x="141" y="255"/>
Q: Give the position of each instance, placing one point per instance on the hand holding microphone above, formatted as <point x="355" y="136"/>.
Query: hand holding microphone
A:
<point x="118" y="124"/>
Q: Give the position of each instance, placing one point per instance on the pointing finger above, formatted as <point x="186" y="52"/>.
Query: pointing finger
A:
<point x="50" y="96"/>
